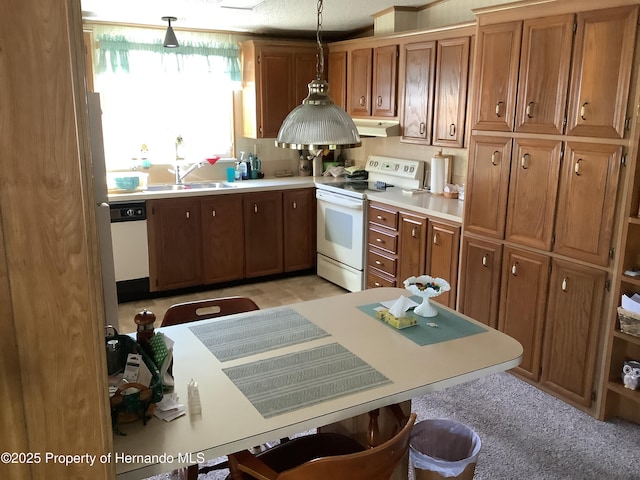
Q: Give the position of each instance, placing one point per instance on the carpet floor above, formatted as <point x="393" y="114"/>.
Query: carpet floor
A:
<point x="528" y="434"/>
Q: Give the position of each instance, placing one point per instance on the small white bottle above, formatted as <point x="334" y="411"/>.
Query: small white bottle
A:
<point x="193" y="394"/>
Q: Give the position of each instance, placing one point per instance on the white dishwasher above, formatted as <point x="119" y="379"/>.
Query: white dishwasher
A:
<point x="130" y="250"/>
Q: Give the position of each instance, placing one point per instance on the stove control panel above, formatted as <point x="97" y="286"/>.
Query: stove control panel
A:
<point x="401" y="172"/>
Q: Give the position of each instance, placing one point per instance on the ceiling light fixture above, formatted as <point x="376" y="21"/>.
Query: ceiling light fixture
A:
<point x="170" y="40"/>
<point x="318" y="124"/>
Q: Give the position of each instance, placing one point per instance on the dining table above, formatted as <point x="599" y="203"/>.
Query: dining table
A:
<point x="276" y="372"/>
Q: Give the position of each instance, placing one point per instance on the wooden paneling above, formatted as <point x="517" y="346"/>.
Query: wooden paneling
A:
<point x="52" y="308"/>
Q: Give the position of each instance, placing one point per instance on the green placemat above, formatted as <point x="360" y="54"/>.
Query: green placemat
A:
<point x="449" y="326"/>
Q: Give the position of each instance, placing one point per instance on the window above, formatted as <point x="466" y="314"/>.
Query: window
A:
<point x="152" y="95"/>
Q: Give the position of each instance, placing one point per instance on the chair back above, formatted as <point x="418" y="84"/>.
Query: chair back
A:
<point x="376" y="463"/>
<point x="201" y="309"/>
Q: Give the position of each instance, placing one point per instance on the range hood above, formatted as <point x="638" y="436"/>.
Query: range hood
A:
<point x="377" y="128"/>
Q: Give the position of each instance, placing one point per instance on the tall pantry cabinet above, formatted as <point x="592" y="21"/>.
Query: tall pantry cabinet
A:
<point x="548" y="138"/>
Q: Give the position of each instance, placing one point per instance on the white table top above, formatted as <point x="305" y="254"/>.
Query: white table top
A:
<point x="229" y="423"/>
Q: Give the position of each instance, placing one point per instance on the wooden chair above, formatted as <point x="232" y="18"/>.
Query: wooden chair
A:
<point x="199" y="310"/>
<point x="202" y="309"/>
<point x="324" y="456"/>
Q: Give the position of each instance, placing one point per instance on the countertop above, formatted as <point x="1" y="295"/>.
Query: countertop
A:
<point x="425" y="203"/>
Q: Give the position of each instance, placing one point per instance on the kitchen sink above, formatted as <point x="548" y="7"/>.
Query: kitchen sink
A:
<point x="188" y="186"/>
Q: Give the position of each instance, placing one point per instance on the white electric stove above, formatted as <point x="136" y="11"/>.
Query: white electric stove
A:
<point x="342" y="217"/>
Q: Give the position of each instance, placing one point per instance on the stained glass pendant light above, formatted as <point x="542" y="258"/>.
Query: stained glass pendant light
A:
<point x="318" y="124"/>
<point x="170" y="40"/>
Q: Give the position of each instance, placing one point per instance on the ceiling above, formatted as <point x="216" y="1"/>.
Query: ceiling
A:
<point x="273" y="17"/>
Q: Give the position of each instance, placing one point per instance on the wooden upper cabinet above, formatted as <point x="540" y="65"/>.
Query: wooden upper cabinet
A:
<point x="576" y="296"/>
<point x="385" y="81"/>
<point x="487" y="186"/>
<point x="452" y="72"/>
<point x="544" y="74"/>
<point x="275" y="76"/>
<point x="359" y="74"/>
<point x="480" y="280"/>
<point x="588" y="189"/>
<point x="420" y="64"/>
<point x="601" y="71"/>
<point x="525" y="280"/>
<point x="496" y="72"/>
<point x="304" y="71"/>
<point x="337" y="78"/>
<point x="533" y="188"/>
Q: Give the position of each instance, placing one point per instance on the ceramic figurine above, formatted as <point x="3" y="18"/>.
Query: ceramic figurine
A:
<point x="631" y="374"/>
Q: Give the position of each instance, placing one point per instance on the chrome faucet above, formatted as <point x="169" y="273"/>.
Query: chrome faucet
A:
<point x="181" y="176"/>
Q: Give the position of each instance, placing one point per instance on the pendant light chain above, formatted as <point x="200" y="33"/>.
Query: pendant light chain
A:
<point x="320" y="54"/>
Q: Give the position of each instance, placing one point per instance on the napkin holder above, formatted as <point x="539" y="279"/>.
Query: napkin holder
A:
<point x="396" y="322"/>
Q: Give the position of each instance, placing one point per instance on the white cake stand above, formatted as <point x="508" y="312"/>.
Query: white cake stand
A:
<point x="416" y="285"/>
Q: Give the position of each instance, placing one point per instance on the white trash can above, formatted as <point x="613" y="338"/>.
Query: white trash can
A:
<point x="442" y="448"/>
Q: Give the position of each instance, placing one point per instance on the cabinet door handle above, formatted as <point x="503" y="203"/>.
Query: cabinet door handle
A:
<point x="414" y="232"/>
<point x="583" y="111"/>
<point x="187" y="214"/>
<point x="255" y="208"/>
<point x="422" y="128"/>
<point x="379" y="102"/>
<point x="525" y="161"/>
<point x="294" y="204"/>
<point x="576" y="167"/>
<point x="435" y="239"/>
<point x="452" y="130"/>
<point x="485" y="260"/>
<point x="529" y="110"/>
<point x="495" y="156"/>
<point x="564" y="284"/>
<point x="362" y="101"/>
<point x="514" y="269"/>
<point x="498" y="109"/>
<point x="213" y="213"/>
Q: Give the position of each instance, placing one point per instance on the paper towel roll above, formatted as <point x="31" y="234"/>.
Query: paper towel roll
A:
<point x="438" y="174"/>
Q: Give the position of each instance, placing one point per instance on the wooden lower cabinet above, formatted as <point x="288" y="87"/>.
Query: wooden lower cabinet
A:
<point x="222" y="238"/>
<point x="576" y="295"/>
<point x="525" y="279"/>
<point x="442" y="258"/>
<point x="299" y="224"/>
<point x="412" y="251"/>
<point x="382" y="246"/>
<point x="480" y="280"/>
<point x="263" y="234"/>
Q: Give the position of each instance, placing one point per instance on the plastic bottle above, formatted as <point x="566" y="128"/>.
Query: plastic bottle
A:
<point x="243" y="170"/>
<point x="193" y="395"/>
<point x="238" y="171"/>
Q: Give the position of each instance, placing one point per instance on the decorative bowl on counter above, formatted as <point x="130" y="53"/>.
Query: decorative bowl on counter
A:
<point x="123" y="182"/>
<point x="426" y="287"/>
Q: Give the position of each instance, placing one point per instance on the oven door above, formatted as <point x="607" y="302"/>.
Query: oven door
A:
<point x="341" y="222"/>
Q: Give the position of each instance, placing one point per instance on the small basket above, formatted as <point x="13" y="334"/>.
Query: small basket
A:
<point x="629" y="322"/>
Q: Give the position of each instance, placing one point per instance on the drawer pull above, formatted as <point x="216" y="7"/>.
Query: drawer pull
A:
<point x="485" y="260"/>
<point x="529" y="110"/>
<point x="514" y="269"/>
<point x="525" y="161"/>
<point x="583" y="111"/>
<point x="380" y="217"/>
<point x="498" y="109"/>
<point x="576" y="167"/>
<point x="378" y="262"/>
<point x="379" y="240"/>
<point x="376" y="284"/>
<point x="495" y="157"/>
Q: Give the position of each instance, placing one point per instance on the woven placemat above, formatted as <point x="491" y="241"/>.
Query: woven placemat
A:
<point x="289" y="382"/>
<point x="260" y="332"/>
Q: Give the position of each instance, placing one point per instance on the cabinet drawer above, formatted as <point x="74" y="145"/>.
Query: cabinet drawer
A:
<point x="377" y="278"/>
<point x="381" y="262"/>
<point x="384" y="217"/>
<point x="387" y="241"/>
